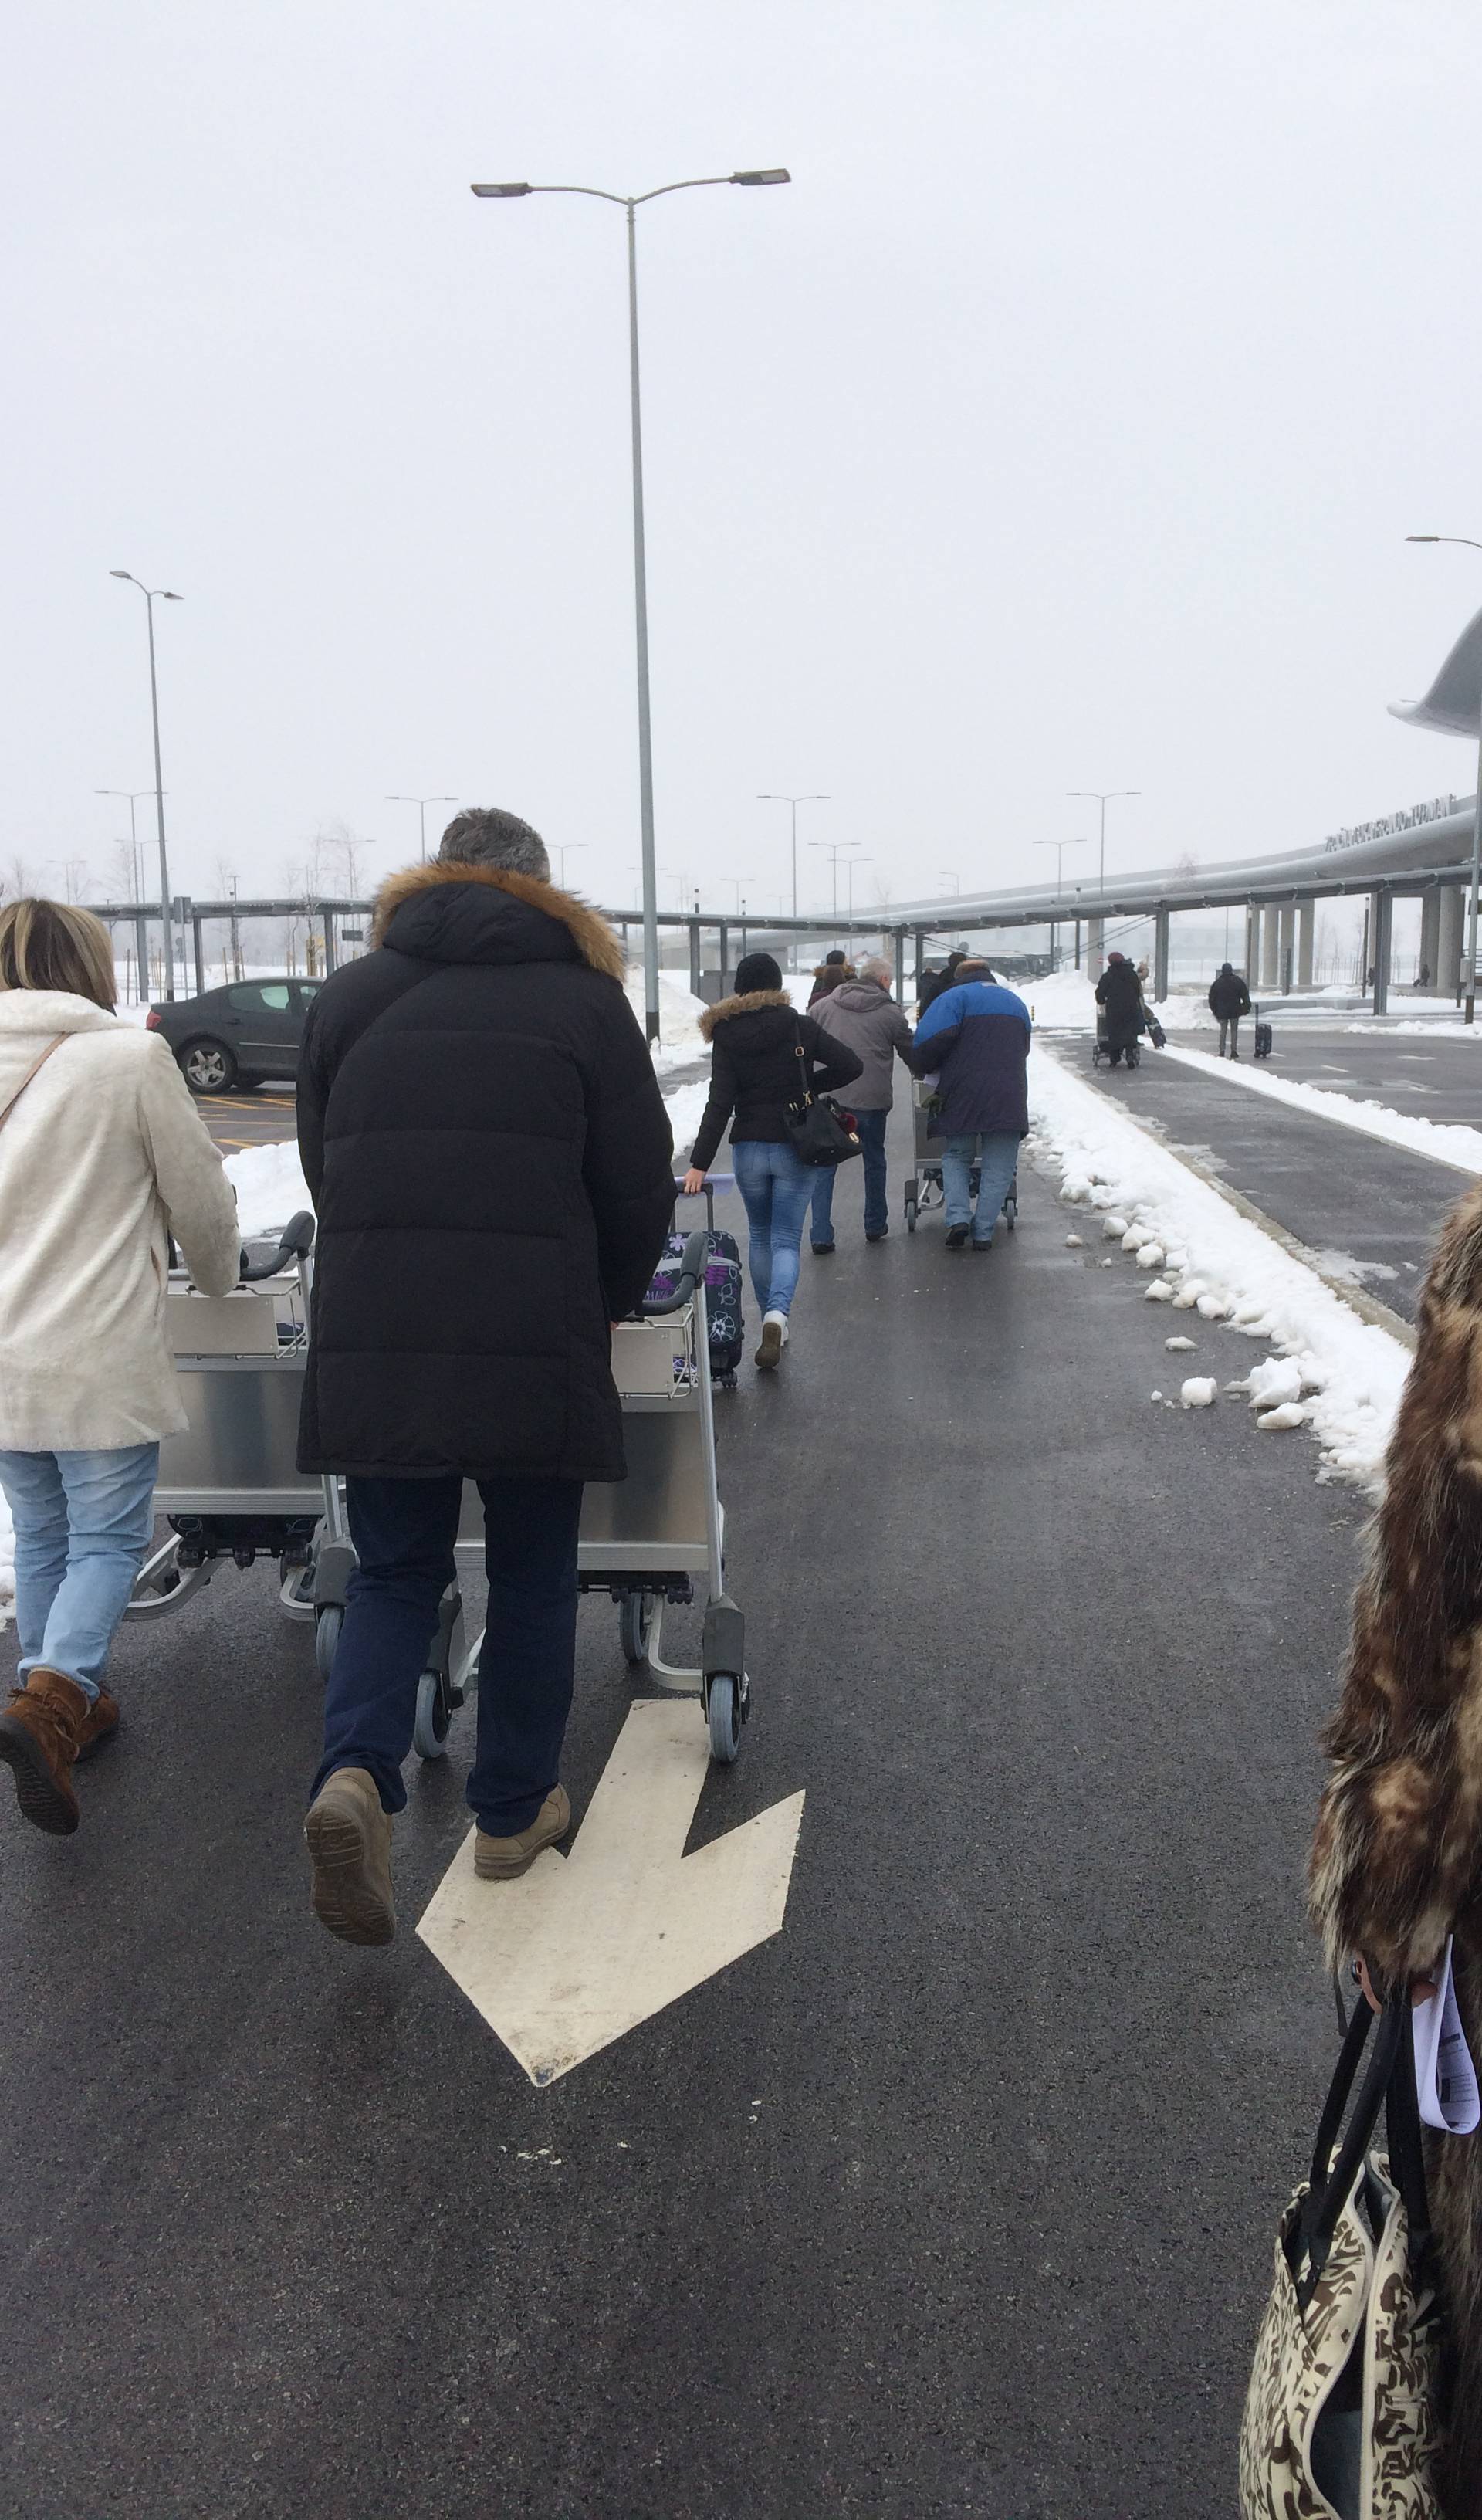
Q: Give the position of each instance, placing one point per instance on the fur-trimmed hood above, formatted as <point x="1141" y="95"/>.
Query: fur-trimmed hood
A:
<point x="749" y="1005"/>
<point x="417" y="889"/>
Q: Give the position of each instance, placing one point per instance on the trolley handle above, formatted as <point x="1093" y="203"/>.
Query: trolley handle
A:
<point x="691" y="1269"/>
<point x="295" y="1242"/>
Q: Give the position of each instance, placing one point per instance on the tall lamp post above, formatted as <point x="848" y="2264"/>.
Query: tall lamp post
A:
<point x="1103" y="797"/>
<point x="422" y="803"/>
<point x="164" y="595"/>
<point x="836" y="850"/>
<point x="631" y="203"/>
<point x="132" y="794"/>
<point x="1060" y="848"/>
<point x="1470" y="1013"/>
<point x="766" y="796"/>
<point x="565" y="849"/>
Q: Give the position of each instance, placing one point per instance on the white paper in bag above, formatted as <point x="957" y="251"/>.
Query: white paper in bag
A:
<point x="1445" y="2077"/>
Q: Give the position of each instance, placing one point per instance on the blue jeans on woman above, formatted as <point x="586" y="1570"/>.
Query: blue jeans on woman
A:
<point x="403" y="1531"/>
<point x="82" y="1524"/>
<point x="776" y="1186"/>
<point x="872" y="1136"/>
<point x="997" y="1158"/>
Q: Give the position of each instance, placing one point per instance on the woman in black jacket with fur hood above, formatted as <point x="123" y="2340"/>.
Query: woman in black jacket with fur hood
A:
<point x="754" y="1040"/>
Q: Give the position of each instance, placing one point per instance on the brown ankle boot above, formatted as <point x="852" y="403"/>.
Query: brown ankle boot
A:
<point x="40" y="1734"/>
<point x="99" y="1725"/>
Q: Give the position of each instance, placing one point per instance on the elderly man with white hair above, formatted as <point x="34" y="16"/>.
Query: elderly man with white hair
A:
<point x="862" y="1013"/>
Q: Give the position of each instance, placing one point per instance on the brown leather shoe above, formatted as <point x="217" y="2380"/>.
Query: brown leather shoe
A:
<point x="349" y="1842"/>
<point x="504" y="1859"/>
<point x="40" y="1733"/>
<point x="99" y="1725"/>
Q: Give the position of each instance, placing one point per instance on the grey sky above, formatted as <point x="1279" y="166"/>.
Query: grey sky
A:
<point x="1059" y="427"/>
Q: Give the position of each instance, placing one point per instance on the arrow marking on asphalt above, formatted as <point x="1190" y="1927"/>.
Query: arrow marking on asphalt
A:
<point x="586" y="1946"/>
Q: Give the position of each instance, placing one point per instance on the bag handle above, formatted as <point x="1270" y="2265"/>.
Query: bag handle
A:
<point x="804" y="1079"/>
<point x="35" y="1069"/>
<point x="1390" y="2079"/>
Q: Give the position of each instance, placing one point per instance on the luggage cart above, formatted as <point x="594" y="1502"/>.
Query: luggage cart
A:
<point x="1099" y="1049"/>
<point x="229" y="1489"/>
<point x="924" y="1189"/>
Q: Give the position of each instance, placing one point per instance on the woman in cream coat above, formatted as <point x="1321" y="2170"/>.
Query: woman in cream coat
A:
<point x="102" y="1155"/>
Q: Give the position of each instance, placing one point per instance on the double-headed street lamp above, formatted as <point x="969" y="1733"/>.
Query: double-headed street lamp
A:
<point x="149" y="594"/>
<point x="836" y="850"/>
<point x="422" y="803"/>
<point x="133" y="795"/>
<point x="767" y="796"/>
<point x="1470" y="1013"/>
<point x="1060" y="848"/>
<point x="1103" y="797"/>
<point x="631" y="203"/>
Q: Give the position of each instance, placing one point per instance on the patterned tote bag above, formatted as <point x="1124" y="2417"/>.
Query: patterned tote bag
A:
<point x="1341" y="2415"/>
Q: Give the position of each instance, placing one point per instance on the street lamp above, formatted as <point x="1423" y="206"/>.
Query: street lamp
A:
<point x="133" y="793"/>
<point x="836" y="850"/>
<point x="766" y="796"/>
<point x="736" y="881"/>
<point x="850" y="864"/>
<point x="1103" y="797"/>
<point x="149" y="594"/>
<point x="947" y="877"/>
<point x="631" y="203"/>
<point x="563" y="849"/>
<point x="422" y="803"/>
<point x="1469" y="1016"/>
<point x="1060" y="848"/>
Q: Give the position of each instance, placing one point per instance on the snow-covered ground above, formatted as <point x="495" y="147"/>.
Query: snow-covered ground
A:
<point x="1445" y="1141"/>
<point x="1216" y="1272"/>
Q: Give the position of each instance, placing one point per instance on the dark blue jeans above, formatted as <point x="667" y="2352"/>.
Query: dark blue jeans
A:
<point x="403" y="1531"/>
<point x="872" y="1133"/>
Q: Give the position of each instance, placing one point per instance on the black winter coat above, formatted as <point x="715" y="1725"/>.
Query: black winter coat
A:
<point x="754" y="1069"/>
<point x="1120" y="992"/>
<point x="1229" y="996"/>
<point x="489" y="1154"/>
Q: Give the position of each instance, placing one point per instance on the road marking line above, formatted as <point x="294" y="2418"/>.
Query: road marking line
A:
<point x="585" y="1947"/>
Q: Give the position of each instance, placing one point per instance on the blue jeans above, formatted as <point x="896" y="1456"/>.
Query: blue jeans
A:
<point x="82" y="1525"/>
<point x="871" y="1132"/>
<point x="403" y="1532"/>
<point x="996" y="1163"/>
<point x="776" y="1186"/>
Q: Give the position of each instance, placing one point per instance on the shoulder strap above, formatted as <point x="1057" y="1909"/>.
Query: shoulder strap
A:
<point x="35" y="1069"/>
<point x="804" y="1064"/>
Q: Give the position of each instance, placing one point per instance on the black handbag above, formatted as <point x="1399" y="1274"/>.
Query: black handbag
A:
<point x="820" y="1132"/>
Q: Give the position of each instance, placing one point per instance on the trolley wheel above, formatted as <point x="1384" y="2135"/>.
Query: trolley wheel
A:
<point x="430" y="1731"/>
<point x="726" y="1705"/>
<point x="635" y="1621"/>
<point x="1011" y="1216"/>
<point x="912" y="1206"/>
<point x="327" y="1629"/>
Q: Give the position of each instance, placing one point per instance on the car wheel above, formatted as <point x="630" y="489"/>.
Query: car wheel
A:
<point x="207" y="1067"/>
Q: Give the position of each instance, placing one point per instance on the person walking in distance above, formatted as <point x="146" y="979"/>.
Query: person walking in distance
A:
<point x="974" y="1037"/>
<point x="863" y="1014"/>
<point x="755" y="1074"/>
<point x="103" y="1156"/>
<point x="489" y="1154"/>
<point x="1120" y="992"/>
<point x="828" y="975"/>
<point x="1229" y="1000"/>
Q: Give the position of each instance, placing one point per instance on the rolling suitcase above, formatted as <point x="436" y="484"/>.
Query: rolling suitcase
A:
<point x="1263" y="1039"/>
<point x="724" y="1319"/>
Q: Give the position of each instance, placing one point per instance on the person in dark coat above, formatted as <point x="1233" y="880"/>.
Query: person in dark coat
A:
<point x="975" y="1039"/>
<point x="487" y="1149"/>
<point x="1120" y="992"/>
<point x="756" y="1072"/>
<point x="933" y="982"/>
<point x="827" y="974"/>
<point x="1229" y="1000"/>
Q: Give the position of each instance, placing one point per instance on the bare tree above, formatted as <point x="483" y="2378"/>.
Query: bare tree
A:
<point x="1188" y="864"/>
<point x="122" y="872"/>
<point x="16" y="880"/>
<point x="343" y="850"/>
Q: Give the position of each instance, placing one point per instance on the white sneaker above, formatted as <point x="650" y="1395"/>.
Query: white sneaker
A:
<point x="773" y="1340"/>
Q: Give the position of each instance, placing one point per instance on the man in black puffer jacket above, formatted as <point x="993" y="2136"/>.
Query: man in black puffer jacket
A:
<point x="491" y="1158"/>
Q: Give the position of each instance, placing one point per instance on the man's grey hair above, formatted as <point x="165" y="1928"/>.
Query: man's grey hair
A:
<point x="876" y="967"/>
<point x="486" y="835"/>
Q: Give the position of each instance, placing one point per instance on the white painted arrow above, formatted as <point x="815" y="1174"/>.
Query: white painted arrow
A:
<point x="584" y="1946"/>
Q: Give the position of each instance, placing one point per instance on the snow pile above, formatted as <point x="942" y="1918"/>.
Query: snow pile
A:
<point x="1064" y="1001"/>
<point x="679" y="1014"/>
<point x="1447" y="1142"/>
<point x="1351" y="1370"/>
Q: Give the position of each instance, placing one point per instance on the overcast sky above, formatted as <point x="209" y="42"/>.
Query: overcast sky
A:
<point x="1058" y="426"/>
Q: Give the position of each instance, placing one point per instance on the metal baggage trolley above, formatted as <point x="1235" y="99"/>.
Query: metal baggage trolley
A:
<point x="229" y="1488"/>
<point x="924" y="1190"/>
<point x="1133" y="1053"/>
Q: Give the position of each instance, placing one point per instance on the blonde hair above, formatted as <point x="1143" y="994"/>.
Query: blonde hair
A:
<point x="55" y="945"/>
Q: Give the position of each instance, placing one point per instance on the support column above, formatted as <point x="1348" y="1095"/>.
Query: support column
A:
<point x="1307" y="920"/>
<point x="722" y="939"/>
<point x="331" y="942"/>
<point x="1096" y="946"/>
<point x="1371" y="934"/>
<point x="1270" y="918"/>
<point x="1078" y="944"/>
<point x="1253" y="944"/>
<point x="1450" y="938"/>
<point x="198" y="944"/>
<point x="899" y="942"/>
<point x="694" y="930"/>
<point x="1431" y="937"/>
<point x="141" y="955"/>
<point x="1287" y="928"/>
<point x="1160" y="956"/>
<point x="1384" y="928"/>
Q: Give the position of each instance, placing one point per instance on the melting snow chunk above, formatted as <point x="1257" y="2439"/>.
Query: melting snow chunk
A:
<point x="1198" y="1392"/>
<point x="1278" y="1421"/>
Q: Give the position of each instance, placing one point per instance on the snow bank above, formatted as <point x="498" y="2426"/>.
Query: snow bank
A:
<point x="1064" y="1001"/>
<point x="1445" y="1141"/>
<point x="679" y="1015"/>
<point x="1351" y="1370"/>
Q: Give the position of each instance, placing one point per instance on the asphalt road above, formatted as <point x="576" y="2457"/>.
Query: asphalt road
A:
<point x="1369" y="1212"/>
<point x="956" y="2197"/>
<point x="259" y="1118"/>
<point x="1436" y="1076"/>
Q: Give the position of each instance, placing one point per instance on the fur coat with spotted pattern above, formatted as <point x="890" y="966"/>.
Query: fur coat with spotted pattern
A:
<point x="1397" y="1859"/>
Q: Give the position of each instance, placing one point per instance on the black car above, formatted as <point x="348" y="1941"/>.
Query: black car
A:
<point x="237" y="1035"/>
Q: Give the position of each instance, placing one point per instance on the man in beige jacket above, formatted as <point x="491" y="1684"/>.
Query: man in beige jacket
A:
<point x="102" y="1155"/>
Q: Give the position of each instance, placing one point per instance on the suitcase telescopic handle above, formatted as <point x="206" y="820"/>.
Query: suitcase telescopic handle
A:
<point x="691" y="1269"/>
<point x="294" y="1241"/>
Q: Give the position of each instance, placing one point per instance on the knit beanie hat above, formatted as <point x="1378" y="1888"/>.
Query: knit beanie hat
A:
<point x="756" y="971"/>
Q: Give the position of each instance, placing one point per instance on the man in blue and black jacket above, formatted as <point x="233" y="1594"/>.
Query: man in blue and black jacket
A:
<point x="974" y="1037"/>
